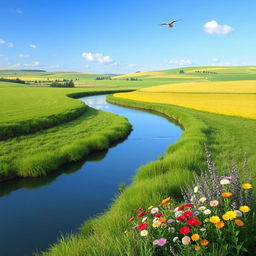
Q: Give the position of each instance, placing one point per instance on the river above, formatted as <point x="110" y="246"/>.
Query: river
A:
<point x="35" y="212"/>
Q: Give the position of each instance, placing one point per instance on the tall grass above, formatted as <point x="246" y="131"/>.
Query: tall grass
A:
<point x="227" y="140"/>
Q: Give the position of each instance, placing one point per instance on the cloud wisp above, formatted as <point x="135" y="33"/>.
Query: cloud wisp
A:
<point x="2" y="41"/>
<point x="33" y="46"/>
<point x="98" y="58"/>
<point x="181" y="63"/>
<point x="213" y="27"/>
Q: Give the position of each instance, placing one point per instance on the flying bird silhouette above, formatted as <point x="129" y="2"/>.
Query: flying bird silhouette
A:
<point x="169" y="24"/>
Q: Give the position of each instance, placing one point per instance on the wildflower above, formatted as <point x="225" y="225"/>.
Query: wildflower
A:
<point x="144" y="233"/>
<point x="154" y="210"/>
<point x="155" y="219"/>
<point x="219" y="224"/>
<point x="156" y="224"/>
<point x="238" y="213"/>
<point x="186" y="240"/>
<point x="141" y="214"/>
<point x="131" y="219"/>
<point x="170" y="221"/>
<point x="207" y="212"/>
<point x="178" y="213"/>
<point x="155" y="242"/>
<point x="162" y="220"/>
<point x="202" y="200"/>
<point x="204" y="242"/>
<point x="196" y="189"/>
<point x="246" y="186"/>
<point x="175" y="239"/>
<point x="142" y="226"/>
<point x="239" y="223"/>
<point x="162" y="241"/>
<point x="144" y="219"/>
<point x="214" y="219"/>
<point x="244" y="208"/>
<point x="189" y="205"/>
<point x="226" y="194"/>
<point x="214" y="203"/>
<point x="197" y="248"/>
<point x="202" y="208"/>
<point x="171" y="229"/>
<point x="181" y="218"/>
<point x="139" y="209"/>
<point x="194" y="222"/>
<point x="196" y="213"/>
<point x="228" y="178"/>
<point x="166" y="201"/>
<point x="180" y="208"/>
<point x="225" y="182"/>
<point x="202" y="229"/>
<point x="185" y="230"/>
<point x="150" y="207"/>
<point x="135" y="227"/>
<point x="195" y="237"/>
<point x="230" y="215"/>
<point x="158" y="215"/>
<point x="187" y="214"/>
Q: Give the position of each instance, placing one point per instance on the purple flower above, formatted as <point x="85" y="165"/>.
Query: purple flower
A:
<point x="162" y="241"/>
<point x="196" y="213"/>
<point x="135" y="227"/>
<point x="228" y="178"/>
<point x="170" y="221"/>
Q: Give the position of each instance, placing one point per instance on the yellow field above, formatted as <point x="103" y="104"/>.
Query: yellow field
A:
<point x="207" y="87"/>
<point x="29" y="78"/>
<point x="243" y="105"/>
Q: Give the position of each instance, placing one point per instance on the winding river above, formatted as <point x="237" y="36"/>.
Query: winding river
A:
<point x="35" y="212"/>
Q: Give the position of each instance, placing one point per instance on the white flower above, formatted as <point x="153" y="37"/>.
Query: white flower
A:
<point x="238" y="213"/>
<point x="178" y="214"/>
<point x="196" y="189"/>
<point x="155" y="219"/>
<point x="207" y="212"/>
<point x="171" y="229"/>
<point x="144" y="233"/>
<point x="176" y="209"/>
<point x="175" y="239"/>
<point x="202" y="200"/>
<point x="192" y="198"/>
<point x="202" y="208"/>
<point x="144" y="219"/>
<point x="225" y="182"/>
<point x="202" y="229"/>
<point x="186" y="240"/>
<point x="154" y="210"/>
<point x="155" y="242"/>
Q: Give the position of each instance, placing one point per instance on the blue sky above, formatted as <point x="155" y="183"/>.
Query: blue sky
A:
<point x="115" y="36"/>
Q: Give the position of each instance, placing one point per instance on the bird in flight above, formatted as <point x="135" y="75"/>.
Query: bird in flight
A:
<point x="169" y="24"/>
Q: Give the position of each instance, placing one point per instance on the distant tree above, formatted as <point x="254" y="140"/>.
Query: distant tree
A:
<point x="182" y="71"/>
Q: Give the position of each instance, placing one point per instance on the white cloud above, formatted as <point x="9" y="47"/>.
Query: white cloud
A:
<point x="33" y="64"/>
<point x="213" y="27"/>
<point x="181" y="63"/>
<point x="98" y="58"/>
<point x="23" y="56"/>
<point x="19" y="11"/>
<point x="132" y="65"/>
<point x="33" y="46"/>
<point x="10" y="45"/>
<point x="2" y="41"/>
<point x="215" y="60"/>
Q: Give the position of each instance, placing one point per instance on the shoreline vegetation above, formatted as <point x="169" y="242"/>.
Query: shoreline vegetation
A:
<point x="162" y="178"/>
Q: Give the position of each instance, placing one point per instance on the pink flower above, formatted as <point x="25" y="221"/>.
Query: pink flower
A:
<point x="161" y="241"/>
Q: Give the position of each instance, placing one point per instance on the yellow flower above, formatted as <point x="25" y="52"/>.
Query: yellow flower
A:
<point x="150" y="207"/>
<point x="195" y="237"/>
<point x="246" y="186"/>
<point x="166" y="200"/>
<point x="156" y="224"/>
<point x="239" y="223"/>
<point x="197" y="248"/>
<point x="214" y="219"/>
<point x="244" y="208"/>
<point x="230" y="215"/>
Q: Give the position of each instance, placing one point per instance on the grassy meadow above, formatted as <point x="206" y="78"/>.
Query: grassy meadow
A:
<point x="214" y="105"/>
<point x="230" y="137"/>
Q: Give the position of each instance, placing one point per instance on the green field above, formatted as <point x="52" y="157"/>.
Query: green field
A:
<point x="228" y="138"/>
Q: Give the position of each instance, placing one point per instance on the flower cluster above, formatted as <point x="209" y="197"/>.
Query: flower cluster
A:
<point x="198" y="224"/>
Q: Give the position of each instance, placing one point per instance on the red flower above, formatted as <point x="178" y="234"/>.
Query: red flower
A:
<point x="139" y="209"/>
<point x="188" y="205"/>
<point x="181" y="218"/>
<point x="158" y="215"/>
<point x="194" y="222"/>
<point x="187" y="214"/>
<point x="141" y="214"/>
<point x="185" y="230"/>
<point x="181" y="207"/>
<point x="142" y="226"/>
<point x="131" y="219"/>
